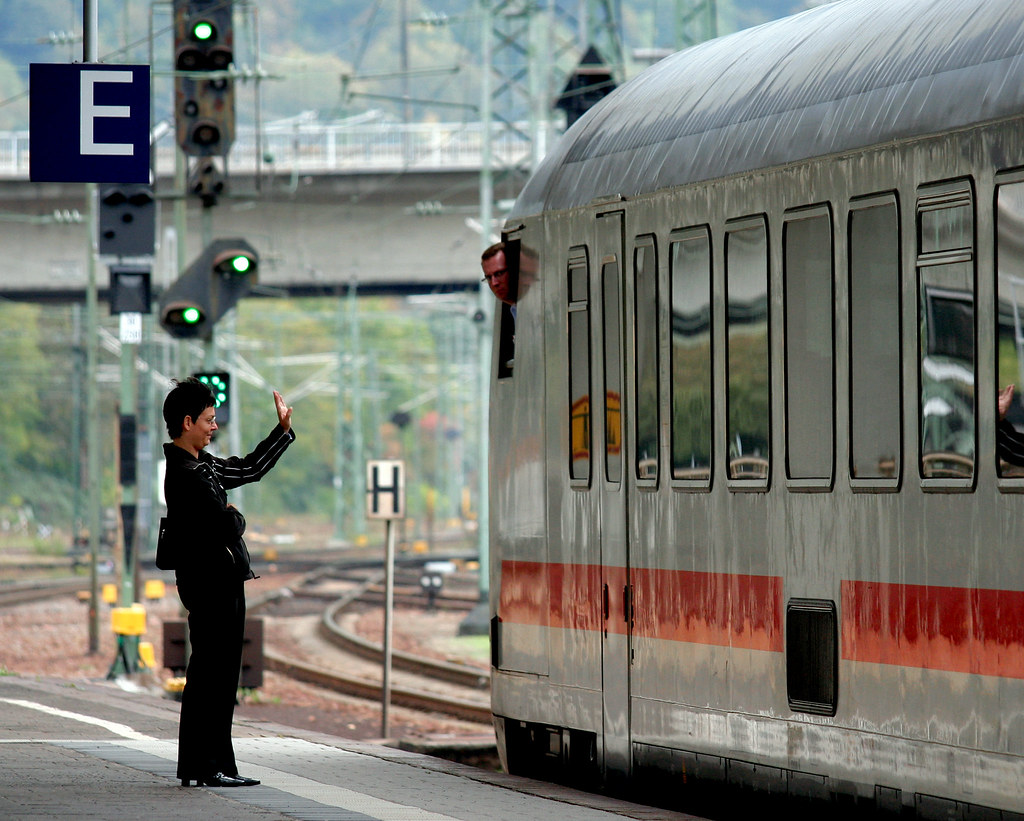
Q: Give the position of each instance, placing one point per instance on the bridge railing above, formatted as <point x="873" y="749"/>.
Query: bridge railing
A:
<point x="326" y="148"/>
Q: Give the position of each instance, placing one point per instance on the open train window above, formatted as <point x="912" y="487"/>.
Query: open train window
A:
<point x="690" y="368"/>
<point x="1010" y="312"/>
<point x="748" y="432"/>
<point x="947" y="361"/>
<point x="809" y="343"/>
<point x="812" y="656"/>
<point x="508" y="307"/>
<point x="876" y="408"/>
<point x="578" y="321"/>
<point x="645" y="333"/>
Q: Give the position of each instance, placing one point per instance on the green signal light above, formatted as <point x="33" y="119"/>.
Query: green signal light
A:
<point x="241" y="264"/>
<point x="217" y="385"/>
<point x="203" y="31"/>
<point x="190" y="316"/>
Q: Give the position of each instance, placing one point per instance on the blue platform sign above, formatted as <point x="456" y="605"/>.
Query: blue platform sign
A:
<point x="88" y="122"/>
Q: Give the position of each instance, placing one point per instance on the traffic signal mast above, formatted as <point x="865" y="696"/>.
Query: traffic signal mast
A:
<point x="204" y="93"/>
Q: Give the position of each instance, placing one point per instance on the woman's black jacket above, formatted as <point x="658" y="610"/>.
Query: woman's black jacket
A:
<point x="206" y="534"/>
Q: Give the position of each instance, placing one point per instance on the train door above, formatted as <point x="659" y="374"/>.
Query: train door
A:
<point x="610" y="382"/>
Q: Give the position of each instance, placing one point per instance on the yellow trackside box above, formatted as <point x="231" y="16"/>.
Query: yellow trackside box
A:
<point x="147" y="655"/>
<point x="129" y="621"/>
<point x="110" y="593"/>
<point x="155" y="589"/>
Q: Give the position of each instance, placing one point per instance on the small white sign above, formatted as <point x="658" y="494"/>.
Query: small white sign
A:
<point x="131" y="329"/>
<point x="385" y="489"/>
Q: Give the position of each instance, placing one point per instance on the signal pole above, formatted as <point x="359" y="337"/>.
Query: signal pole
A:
<point x="90" y="17"/>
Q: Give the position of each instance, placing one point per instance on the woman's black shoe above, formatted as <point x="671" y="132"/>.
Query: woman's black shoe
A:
<point x="218" y="780"/>
<point x="246" y="782"/>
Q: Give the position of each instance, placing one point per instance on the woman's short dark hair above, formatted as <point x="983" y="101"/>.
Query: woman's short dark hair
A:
<point x="188" y="397"/>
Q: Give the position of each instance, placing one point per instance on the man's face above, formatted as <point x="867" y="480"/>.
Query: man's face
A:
<point x="496" y="275"/>
<point x="200" y="432"/>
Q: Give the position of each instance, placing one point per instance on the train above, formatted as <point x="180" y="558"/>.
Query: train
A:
<point x="749" y="535"/>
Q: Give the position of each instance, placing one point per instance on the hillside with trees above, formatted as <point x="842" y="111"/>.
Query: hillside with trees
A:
<point x="336" y="58"/>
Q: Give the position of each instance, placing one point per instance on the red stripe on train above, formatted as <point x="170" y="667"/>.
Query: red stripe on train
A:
<point x="964" y="630"/>
<point x="724" y="609"/>
<point x="960" y="629"/>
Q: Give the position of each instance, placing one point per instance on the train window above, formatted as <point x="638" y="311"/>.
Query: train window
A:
<point x="579" y="367"/>
<point x="746" y="257"/>
<point x="812" y="656"/>
<point x="506" y="342"/>
<point x="875" y="404"/>
<point x="807" y="259"/>
<point x="645" y="311"/>
<point x="945" y="270"/>
<point x="1010" y="314"/>
<point x="690" y="283"/>
<point x="612" y="370"/>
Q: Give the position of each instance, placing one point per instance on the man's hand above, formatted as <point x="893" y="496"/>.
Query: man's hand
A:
<point x="284" y="413"/>
<point x="1005" y="398"/>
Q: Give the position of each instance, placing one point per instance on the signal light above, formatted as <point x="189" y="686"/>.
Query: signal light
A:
<point x="234" y="263"/>
<point x="203" y="30"/>
<point x="219" y="383"/>
<point x="129" y="289"/>
<point x="183" y="319"/>
<point x="210" y="287"/>
<point x="127" y="221"/>
<point x="204" y="106"/>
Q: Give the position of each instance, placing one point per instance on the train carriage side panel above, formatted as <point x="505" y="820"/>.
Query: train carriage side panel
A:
<point x="517" y="501"/>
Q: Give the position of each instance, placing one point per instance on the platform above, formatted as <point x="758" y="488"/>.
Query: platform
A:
<point x="88" y="750"/>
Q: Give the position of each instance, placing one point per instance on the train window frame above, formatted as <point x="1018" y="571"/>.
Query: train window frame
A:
<point x="930" y="198"/>
<point x="578" y="259"/>
<point x="754" y="484"/>
<point x="612" y="342"/>
<point x="646" y="243"/>
<point x="1005" y="482"/>
<point x="820" y="484"/>
<point x="690" y="234"/>
<point x="876" y="484"/>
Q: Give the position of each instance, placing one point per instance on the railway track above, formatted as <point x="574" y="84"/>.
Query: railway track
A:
<point x="457" y="690"/>
<point x="463" y="692"/>
<point x="25" y="592"/>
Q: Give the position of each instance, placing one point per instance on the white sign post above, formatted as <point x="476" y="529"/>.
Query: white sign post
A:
<point x="385" y="499"/>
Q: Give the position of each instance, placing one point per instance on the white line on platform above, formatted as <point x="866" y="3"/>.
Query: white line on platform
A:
<point x="122" y="730"/>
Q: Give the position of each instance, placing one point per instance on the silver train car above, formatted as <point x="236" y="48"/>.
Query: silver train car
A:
<point x="750" y="535"/>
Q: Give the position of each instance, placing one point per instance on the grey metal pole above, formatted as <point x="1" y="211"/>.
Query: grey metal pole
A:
<point x="92" y="426"/>
<point x="389" y="596"/>
<point x="358" y="458"/>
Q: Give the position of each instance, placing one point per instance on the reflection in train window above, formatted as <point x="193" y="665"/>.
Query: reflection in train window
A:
<point x="945" y="266"/>
<point x="875" y="341"/>
<point x="1010" y="292"/>
<point x="579" y="366"/>
<point x="746" y="252"/>
<point x="807" y="249"/>
<point x="691" y="355"/>
<point x="612" y="370"/>
<point x="645" y="271"/>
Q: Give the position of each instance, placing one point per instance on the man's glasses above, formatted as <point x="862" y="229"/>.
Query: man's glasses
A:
<point x="488" y="277"/>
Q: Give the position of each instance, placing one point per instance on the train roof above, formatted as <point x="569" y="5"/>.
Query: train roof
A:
<point x="838" y="77"/>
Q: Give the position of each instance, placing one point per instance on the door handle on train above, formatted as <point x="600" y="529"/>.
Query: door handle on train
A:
<point x="604" y="603"/>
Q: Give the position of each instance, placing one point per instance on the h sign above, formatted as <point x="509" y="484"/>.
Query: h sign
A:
<point x="88" y="122"/>
<point x="385" y="489"/>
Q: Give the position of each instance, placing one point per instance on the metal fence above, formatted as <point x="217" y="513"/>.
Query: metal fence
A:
<point x="325" y="148"/>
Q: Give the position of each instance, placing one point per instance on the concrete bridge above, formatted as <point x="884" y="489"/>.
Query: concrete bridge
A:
<point x="390" y="208"/>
